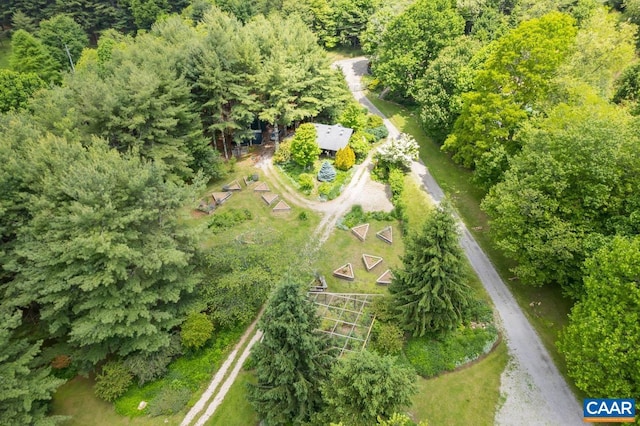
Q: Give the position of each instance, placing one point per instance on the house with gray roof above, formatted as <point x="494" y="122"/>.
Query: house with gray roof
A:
<point x="331" y="138"/>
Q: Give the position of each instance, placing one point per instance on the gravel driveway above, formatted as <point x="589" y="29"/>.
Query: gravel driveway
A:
<point x="534" y="391"/>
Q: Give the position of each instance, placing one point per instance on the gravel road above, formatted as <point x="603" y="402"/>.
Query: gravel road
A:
<point x="534" y="392"/>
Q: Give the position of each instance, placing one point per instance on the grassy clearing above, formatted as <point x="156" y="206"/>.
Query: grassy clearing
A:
<point x="417" y="203"/>
<point x="551" y="315"/>
<point x="5" y="51"/>
<point x="321" y="190"/>
<point x="343" y="52"/>
<point x="344" y="247"/>
<point x="235" y="409"/>
<point x="76" y="399"/>
<point x="469" y="396"/>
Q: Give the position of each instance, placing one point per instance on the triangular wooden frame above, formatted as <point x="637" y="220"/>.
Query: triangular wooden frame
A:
<point x="281" y="207"/>
<point x="371" y="261"/>
<point x="345" y="272"/>
<point x="386" y="234"/>
<point x="233" y="186"/>
<point x="360" y="231"/>
<point x="385" y="278"/>
<point x="269" y="197"/>
<point x="221" y="197"/>
<point x="261" y="187"/>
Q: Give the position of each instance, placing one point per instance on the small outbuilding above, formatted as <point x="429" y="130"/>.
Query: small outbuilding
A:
<point x="331" y="138"/>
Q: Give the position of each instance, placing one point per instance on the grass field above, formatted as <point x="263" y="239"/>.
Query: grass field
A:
<point x="551" y="315"/>
<point x="5" y="51"/>
<point x="75" y="398"/>
<point x="344" y="247"/>
<point x="464" y="397"/>
<point x="235" y="410"/>
<point x="342" y="52"/>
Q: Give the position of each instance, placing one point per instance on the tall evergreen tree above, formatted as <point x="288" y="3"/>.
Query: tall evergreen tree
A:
<point x="103" y="258"/>
<point x="291" y="360"/>
<point x="24" y="387"/>
<point x="29" y="55"/>
<point x="431" y="291"/>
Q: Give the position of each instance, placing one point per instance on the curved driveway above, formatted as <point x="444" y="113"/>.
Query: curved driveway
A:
<point x="541" y="395"/>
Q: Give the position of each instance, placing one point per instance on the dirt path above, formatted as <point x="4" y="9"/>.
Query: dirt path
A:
<point x="535" y="391"/>
<point x="360" y="190"/>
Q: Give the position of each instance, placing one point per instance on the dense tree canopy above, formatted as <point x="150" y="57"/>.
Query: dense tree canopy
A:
<point x="600" y="343"/>
<point x="570" y="185"/>
<point x="102" y="256"/>
<point x="412" y="40"/>
<point x="514" y="83"/>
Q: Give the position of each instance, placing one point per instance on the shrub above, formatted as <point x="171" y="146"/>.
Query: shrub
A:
<point x="302" y="215"/>
<point x="229" y="218"/>
<point x="147" y="367"/>
<point x="169" y="401"/>
<point x="378" y="133"/>
<point x="399" y="152"/>
<point x="432" y="356"/>
<point x="306" y="182"/>
<point x="196" y="330"/>
<point x="396" y="182"/>
<point x="345" y="158"/>
<point x="113" y="381"/>
<point x="374" y="120"/>
<point x="387" y="338"/>
<point x="324" y="189"/>
<point x="283" y="154"/>
<point x="359" y="144"/>
<point x="327" y="173"/>
<point x="304" y="148"/>
<point x="383" y="308"/>
<point x="354" y="116"/>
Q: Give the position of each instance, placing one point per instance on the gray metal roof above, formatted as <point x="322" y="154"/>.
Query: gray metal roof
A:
<point x="332" y="138"/>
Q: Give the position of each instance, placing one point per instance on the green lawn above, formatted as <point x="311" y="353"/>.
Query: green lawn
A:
<point x="469" y="396"/>
<point x="76" y="399"/>
<point x="344" y="247"/>
<point x="343" y="52"/>
<point x="5" y="51"/>
<point x="235" y="410"/>
<point x="417" y="203"/>
<point x="551" y="315"/>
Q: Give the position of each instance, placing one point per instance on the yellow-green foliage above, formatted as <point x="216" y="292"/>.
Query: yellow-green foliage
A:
<point x="345" y="158"/>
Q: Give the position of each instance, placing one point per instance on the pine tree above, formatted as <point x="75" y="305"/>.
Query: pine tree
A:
<point x="28" y="54"/>
<point x="103" y="256"/>
<point x="291" y="360"/>
<point x="430" y="292"/>
<point x="24" y="387"/>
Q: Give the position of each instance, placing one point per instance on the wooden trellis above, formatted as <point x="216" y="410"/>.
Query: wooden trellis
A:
<point x="345" y="318"/>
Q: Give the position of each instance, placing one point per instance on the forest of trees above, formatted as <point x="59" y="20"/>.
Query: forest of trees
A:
<point x="539" y="99"/>
<point x="110" y="113"/>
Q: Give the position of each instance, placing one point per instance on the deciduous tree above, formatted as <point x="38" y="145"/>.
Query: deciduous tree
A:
<point x="304" y="148"/>
<point x="412" y="40"/>
<point x="364" y="386"/>
<point x="600" y="343"/>
<point x="59" y="33"/>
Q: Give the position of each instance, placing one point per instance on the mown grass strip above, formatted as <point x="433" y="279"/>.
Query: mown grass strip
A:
<point x="545" y="307"/>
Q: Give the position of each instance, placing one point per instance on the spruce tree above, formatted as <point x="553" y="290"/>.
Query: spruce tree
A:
<point x="291" y="360"/>
<point x="431" y="292"/>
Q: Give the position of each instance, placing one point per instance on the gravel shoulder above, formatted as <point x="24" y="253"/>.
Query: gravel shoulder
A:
<point x="534" y="391"/>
